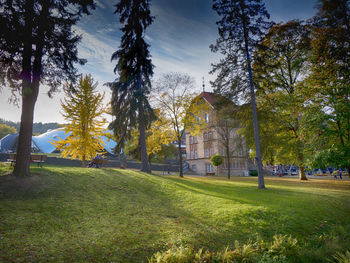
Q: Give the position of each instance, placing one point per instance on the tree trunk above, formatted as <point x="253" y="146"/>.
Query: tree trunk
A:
<point x="25" y="134"/>
<point x="228" y="165"/>
<point x="142" y="129"/>
<point x="143" y="146"/>
<point x="83" y="162"/>
<point x="28" y="99"/>
<point x="261" y="184"/>
<point x="302" y="175"/>
<point x="180" y="159"/>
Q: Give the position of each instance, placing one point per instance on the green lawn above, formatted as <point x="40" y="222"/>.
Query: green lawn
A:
<point x="108" y="215"/>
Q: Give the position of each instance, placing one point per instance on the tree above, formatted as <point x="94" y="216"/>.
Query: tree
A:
<point x="281" y="64"/>
<point x="5" y="129"/>
<point x="158" y="139"/>
<point x="227" y="127"/>
<point x="240" y="28"/>
<point x="130" y="91"/>
<point x="37" y="46"/>
<point x="327" y="88"/>
<point x="83" y="110"/>
<point x="217" y="160"/>
<point x="179" y="106"/>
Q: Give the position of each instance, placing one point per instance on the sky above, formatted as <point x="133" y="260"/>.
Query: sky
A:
<point x="180" y="38"/>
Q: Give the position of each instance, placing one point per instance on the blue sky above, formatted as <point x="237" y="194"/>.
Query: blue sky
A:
<point x="179" y="37"/>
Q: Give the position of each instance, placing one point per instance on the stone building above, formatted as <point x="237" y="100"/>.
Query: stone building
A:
<point x="218" y="136"/>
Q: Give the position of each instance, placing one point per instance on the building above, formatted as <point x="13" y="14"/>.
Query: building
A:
<point x="216" y="137"/>
<point x="42" y="144"/>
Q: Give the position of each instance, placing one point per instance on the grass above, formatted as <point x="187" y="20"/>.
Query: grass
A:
<point x="108" y="215"/>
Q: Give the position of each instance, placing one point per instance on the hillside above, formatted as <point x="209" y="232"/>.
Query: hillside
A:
<point x="108" y="215"/>
<point x="38" y="127"/>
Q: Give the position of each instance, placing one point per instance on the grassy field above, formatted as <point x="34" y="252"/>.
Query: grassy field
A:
<point x="108" y="215"/>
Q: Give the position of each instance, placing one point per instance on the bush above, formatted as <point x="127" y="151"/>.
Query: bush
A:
<point x="283" y="249"/>
<point x="216" y="160"/>
<point x="342" y="258"/>
<point x="253" y="173"/>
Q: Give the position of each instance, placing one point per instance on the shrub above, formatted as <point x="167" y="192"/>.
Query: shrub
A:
<point x="283" y="249"/>
<point x="216" y="160"/>
<point x="342" y="258"/>
<point x="284" y="245"/>
<point x="253" y="173"/>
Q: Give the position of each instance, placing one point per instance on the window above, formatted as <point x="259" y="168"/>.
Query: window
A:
<point x="206" y="116"/>
<point x="195" y="154"/>
<point x="210" y="135"/>
<point x="208" y="168"/>
<point x="206" y="153"/>
<point x="191" y="155"/>
<point x="205" y="136"/>
<point x="211" y="152"/>
<point x="194" y="167"/>
<point x="191" y="138"/>
<point x="195" y="139"/>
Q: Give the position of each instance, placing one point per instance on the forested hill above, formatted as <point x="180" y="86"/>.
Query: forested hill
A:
<point x="38" y="127"/>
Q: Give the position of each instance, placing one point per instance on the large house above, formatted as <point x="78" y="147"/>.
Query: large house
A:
<point x="216" y="137"/>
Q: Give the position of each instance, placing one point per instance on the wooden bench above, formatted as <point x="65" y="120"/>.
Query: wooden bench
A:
<point x="34" y="158"/>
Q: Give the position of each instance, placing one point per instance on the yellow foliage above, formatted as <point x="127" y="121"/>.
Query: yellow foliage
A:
<point x="83" y="109"/>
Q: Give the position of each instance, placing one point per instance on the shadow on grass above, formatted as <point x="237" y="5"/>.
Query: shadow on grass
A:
<point x="100" y="215"/>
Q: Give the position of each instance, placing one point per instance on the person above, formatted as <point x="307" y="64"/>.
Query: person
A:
<point x="94" y="161"/>
<point x="340" y="174"/>
<point x="335" y="174"/>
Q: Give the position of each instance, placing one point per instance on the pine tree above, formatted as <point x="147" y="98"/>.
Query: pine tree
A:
<point x="130" y="91"/>
<point x="83" y="110"/>
<point x="241" y="27"/>
<point x="37" y="46"/>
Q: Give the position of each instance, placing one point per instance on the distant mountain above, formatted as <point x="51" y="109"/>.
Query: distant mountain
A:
<point x="38" y="127"/>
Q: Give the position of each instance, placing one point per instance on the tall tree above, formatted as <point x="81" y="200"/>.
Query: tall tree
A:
<point x="159" y="138"/>
<point x="241" y="27"/>
<point x="182" y="108"/>
<point x="328" y="85"/>
<point x="130" y="91"/>
<point x="37" y="46"/>
<point x="83" y="110"/>
<point x="281" y="64"/>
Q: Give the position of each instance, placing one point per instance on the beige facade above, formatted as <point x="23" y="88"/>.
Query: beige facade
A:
<point x="211" y="140"/>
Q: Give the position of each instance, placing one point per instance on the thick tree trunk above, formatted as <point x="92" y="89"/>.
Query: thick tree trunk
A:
<point x="180" y="159"/>
<point x="25" y="134"/>
<point x="29" y="96"/>
<point x="302" y="175"/>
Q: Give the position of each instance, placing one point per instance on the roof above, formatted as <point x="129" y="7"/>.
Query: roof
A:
<point x="43" y="144"/>
<point x="210" y="97"/>
<point x="214" y="99"/>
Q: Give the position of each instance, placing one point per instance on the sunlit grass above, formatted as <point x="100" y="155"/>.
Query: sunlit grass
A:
<point x="104" y="215"/>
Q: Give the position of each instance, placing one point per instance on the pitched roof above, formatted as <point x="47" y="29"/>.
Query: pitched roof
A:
<point x="210" y="97"/>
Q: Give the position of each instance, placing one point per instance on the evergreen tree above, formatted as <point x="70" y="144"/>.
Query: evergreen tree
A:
<point x="241" y="27"/>
<point x="37" y="46"/>
<point x="130" y="91"/>
<point x="83" y="110"/>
